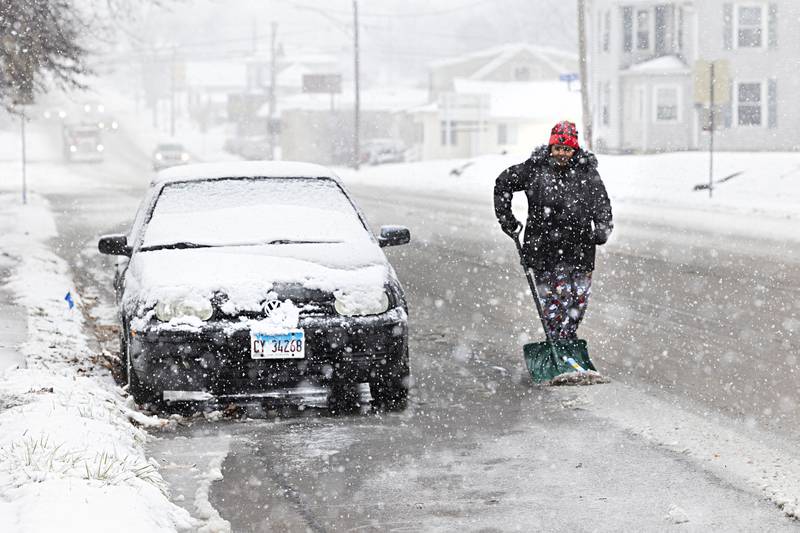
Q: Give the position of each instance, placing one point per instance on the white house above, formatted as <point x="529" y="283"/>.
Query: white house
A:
<point x="643" y="56"/>
<point x="494" y="117"/>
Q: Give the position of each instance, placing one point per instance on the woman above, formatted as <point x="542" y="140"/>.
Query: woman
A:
<point x="569" y="214"/>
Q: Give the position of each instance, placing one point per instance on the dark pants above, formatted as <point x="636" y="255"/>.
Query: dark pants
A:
<point x="564" y="296"/>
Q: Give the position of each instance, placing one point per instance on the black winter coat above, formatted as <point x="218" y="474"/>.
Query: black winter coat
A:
<point x="568" y="210"/>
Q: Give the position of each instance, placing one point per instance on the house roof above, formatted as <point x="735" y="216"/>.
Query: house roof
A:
<point x="215" y="74"/>
<point x="539" y="101"/>
<point x="557" y="59"/>
<point x="660" y="65"/>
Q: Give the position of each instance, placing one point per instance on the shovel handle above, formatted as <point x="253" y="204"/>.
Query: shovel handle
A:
<point x="532" y="282"/>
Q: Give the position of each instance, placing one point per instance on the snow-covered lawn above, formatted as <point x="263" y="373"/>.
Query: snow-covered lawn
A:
<point x="762" y="202"/>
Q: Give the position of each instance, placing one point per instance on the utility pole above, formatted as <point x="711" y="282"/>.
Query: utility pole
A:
<point x="357" y="103"/>
<point x="172" y="94"/>
<point x="584" y="73"/>
<point x="24" y="158"/>
<point x="712" y="126"/>
<point x="273" y="76"/>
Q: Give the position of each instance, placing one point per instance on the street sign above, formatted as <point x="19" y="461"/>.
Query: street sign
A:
<point x="569" y="77"/>
<point x="322" y="83"/>
<point x="702" y="82"/>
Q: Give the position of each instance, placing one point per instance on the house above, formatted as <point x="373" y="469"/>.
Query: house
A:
<point x="480" y="117"/>
<point x="508" y="63"/>
<point x="503" y="99"/>
<point x="645" y="60"/>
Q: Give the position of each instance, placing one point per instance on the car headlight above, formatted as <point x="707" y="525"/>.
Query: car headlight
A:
<point x="361" y="304"/>
<point x="200" y="308"/>
<point x="73" y="148"/>
<point x="184" y="156"/>
<point x="159" y="157"/>
<point x="100" y="147"/>
<point x="114" y="125"/>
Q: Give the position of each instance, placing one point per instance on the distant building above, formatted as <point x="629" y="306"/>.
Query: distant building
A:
<point x="319" y="127"/>
<point x="642" y="58"/>
<point x="508" y="63"/>
<point x="503" y="99"/>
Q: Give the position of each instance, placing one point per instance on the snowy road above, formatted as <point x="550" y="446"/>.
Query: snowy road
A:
<point x="479" y="448"/>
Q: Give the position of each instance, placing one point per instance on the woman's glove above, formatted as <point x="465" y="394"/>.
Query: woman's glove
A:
<point x="600" y="235"/>
<point x="511" y="227"/>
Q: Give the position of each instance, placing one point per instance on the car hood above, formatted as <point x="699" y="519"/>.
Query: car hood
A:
<point x="247" y="275"/>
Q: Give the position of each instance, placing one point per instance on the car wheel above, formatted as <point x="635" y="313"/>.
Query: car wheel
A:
<point x="142" y="393"/>
<point x="122" y="369"/>
<point x="343" y="396"/>
<point x="389" y="389"/>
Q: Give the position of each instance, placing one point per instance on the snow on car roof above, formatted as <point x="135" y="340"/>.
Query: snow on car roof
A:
<point x="243" y="169"/>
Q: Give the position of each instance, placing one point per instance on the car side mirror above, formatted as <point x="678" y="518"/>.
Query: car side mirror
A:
<point x="394" y="236"/>
<point x="114" y="245"/>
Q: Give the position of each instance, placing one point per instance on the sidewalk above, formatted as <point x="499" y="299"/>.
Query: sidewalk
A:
<point x="71" y="447"/>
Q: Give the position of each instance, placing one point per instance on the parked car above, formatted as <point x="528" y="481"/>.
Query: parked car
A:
<point x="169" y="154"/>
<point x="237" y="279"/>
<point x="379" y="151"/>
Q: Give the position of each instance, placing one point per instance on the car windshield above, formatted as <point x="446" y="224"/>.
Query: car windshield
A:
<point x="246" y="211"/>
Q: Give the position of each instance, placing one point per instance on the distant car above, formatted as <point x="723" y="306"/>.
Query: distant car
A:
<point x="379" y="151"/>
<point x="254" y="147"/>
<point x="169" y="155"/>
<point x="82" y="142"/>
<point x="240" y="279"/>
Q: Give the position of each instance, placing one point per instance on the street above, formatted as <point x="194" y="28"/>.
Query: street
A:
<point x="695" y="329"/>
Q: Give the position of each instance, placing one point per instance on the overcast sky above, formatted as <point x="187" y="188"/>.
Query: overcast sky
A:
<point x="398" y="37"/>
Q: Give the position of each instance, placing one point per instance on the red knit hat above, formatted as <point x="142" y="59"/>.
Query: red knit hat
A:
<point x="564" y="133"/>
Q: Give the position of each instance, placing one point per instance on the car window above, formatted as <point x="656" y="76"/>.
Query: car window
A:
<point x="140" y="217"/>
<point x="252" y="211"/>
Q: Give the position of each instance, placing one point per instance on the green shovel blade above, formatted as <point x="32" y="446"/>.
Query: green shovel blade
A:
<point x="543" y="366"/>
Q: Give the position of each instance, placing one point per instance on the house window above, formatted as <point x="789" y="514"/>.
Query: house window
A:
<point x="522" y="74"/>
<point x="449" y="133"/>
<point x="605" y="102"/>
<point x="750" y="21"/>
<point x="627" y="29"/>
<point x="642" y="29"/>
<point x="506" y="134"/>
<point x="663" y="36"/>
<point x="667" y="103"/>
<point x="749" y="104"/>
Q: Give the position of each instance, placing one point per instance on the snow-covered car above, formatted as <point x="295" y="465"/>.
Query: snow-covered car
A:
<point x="240" y="279"/>
<point x="169" y="154"/>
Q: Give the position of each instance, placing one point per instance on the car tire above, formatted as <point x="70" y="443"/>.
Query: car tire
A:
<point x="141" y="392"/>
<point x="122" y="369"/>
<point x="389" y="389"/>
<point x="343" y="397"/>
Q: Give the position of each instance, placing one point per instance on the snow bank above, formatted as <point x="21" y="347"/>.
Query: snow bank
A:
<point x="67" y="445"/>
<point x="762" y="201"/>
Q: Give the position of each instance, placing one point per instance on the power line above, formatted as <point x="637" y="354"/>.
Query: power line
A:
<point x="398" y="15"/>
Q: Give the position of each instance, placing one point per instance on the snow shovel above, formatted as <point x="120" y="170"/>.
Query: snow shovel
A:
<point x="554" y="358"/>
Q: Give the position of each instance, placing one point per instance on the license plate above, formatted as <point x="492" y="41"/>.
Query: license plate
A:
<point x="288" y="345"/>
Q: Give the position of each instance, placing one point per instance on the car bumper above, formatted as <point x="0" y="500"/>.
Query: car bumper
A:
<point x="217" y="361"/>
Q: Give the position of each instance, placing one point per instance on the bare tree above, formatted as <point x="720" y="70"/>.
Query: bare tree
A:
<point x="40" y="44"/>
